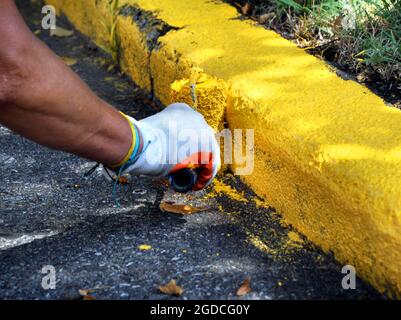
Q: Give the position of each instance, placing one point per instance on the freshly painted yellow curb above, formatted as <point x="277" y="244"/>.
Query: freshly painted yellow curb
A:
<point x="327" y="150"/>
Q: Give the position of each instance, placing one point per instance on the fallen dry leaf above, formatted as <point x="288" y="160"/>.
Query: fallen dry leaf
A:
<point x="245" y="288"/>
<point x="265" y="17"/>
<point x="180" y="208"/>
<point x="88" y="297"/>
<point x="171" y="288"/>
<point x="246" y="8"/>
<point x="123" y="180"/>
<point x="361" y="77"/>
<point x="69" y="61"/>
<point x="87" y="292"/>
<point x="61" y="32"/>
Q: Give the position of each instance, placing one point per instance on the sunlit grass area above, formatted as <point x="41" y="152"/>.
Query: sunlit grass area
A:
<point x="361" y="36"/>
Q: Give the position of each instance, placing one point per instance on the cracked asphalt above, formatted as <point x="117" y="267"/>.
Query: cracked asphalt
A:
<point x="51" y="214"/>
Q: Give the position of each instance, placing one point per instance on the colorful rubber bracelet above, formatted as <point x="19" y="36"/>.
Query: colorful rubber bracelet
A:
<point x="133" y="150"/>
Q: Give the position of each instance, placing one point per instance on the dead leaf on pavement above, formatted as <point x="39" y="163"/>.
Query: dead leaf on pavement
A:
<point x="123" y="180"/>
<point x="245" y="288"/>
<point x="61" y="32"/>
<point x="171" y="288"/>
<point x="88" y="297"/>
<point x="246" y="8"/>
<point x="87" y="292"/>
<point x="69" y="61"/>
<point x="180" y="208"/>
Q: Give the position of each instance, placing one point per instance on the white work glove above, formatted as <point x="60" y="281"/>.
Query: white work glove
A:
<point x="176" y="138"/>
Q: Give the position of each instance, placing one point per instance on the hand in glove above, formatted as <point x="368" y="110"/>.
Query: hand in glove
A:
<point x="176" y="138"/>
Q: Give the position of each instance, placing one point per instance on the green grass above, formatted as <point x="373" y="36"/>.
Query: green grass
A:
<point x="365" y="35"/>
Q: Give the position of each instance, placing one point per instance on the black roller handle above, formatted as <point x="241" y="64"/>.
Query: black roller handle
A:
<point x="183" y="180"/>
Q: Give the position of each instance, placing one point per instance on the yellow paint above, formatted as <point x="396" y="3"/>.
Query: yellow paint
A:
<point x="144" y="247"/>
<point x="258" y="243"/>
<point x="327" y="151"/>
<point x="294" y="237"/>
<point x="260" y="203"/>
<point x="210" y="95"/>
<point x="93" y="18"/>
<point x="135" y="58"/>
<point x="222" y="188"/>
<point x="294" y="240"/>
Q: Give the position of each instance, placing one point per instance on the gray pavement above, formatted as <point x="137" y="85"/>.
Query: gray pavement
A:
<point x="50" y="214"/>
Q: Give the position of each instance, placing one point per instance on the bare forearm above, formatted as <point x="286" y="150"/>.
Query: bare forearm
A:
<point x="45" y="101"/>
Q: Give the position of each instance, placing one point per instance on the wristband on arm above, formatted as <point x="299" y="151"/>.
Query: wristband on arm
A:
<point x="134" y="150"/>
<point x="130" y="158"/>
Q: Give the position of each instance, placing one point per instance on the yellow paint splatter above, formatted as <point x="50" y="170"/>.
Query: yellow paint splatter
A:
<point x="144" y="247"/>
<point x="294" y="240"/>
<point x="294" y="237"/>
<point x="221" y="188"/>
<point x="258" y="243"/>
<point x="260" y="203"/>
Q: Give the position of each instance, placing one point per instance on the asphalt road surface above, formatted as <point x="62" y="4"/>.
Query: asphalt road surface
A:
<point x="51" y="214"/>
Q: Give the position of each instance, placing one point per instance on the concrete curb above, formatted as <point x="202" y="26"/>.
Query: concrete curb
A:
<point x="327" y="150"/>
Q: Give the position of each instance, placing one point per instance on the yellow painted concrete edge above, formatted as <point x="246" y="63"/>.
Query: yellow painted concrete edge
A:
<point x="327" y="151"/>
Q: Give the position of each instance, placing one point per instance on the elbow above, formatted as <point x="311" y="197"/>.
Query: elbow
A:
<point x="16" y="42"/>
<point x="12" y="71"/>
<point x="10" y="77"/>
